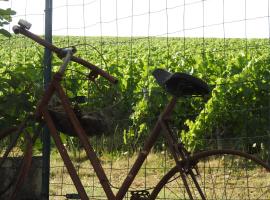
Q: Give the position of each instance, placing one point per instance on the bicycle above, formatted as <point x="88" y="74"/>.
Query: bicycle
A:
<point x="212" y="174"/>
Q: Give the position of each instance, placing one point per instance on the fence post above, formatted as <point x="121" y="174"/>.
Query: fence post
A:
<point x="47" y="78"/>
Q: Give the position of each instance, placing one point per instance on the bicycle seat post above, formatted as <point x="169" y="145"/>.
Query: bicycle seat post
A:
<point x="66" y="60"/>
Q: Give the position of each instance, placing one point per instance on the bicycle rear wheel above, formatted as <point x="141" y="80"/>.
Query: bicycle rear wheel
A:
<point x="222" y="174"/>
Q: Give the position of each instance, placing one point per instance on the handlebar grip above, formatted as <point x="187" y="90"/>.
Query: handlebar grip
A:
<point x="61" y="53"/>
<point x="18" y="29"/>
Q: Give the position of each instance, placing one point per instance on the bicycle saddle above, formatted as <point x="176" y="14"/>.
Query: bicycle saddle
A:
<point x="180" y="84"/>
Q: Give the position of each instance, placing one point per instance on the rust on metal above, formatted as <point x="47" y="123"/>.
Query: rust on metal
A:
<point x="63" y="152"/>
<point x="17" y="131"/>
<point x="145" y="151"/>
<point x="84" y="141"/>
<point x="95" y="69"/>
<point x="175" y="153"/>
<point x="60" y="53"/>
<point x="46" y="97"/>
<point x="27" y="159"/>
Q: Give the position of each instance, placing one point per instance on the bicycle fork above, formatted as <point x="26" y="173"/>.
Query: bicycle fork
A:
<point x="180" y="153"/>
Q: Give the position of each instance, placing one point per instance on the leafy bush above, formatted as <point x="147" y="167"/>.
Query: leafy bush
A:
<point x="237" y="71"/>
<point x="5" y="19"/>
<point x="238" y="106"/>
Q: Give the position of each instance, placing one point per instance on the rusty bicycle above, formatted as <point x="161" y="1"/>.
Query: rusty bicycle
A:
<point x="207" y="175"/>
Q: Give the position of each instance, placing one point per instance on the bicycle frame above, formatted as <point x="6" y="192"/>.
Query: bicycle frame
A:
<point x="42" y="114"/>
<point x="42" y="111"/>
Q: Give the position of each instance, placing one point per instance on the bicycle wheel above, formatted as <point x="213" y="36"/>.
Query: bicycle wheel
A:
<point x="222" y="174"/>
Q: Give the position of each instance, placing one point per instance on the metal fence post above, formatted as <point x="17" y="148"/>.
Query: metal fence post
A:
<point x="47" y="78"/>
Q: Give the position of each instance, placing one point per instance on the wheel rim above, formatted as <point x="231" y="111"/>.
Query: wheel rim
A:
<point x="235" y="175"/>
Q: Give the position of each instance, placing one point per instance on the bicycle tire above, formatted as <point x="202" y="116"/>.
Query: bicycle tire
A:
<point x="223" y="174"/>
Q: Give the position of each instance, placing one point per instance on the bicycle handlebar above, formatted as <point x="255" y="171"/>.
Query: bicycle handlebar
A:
<point x="61" y="53"/>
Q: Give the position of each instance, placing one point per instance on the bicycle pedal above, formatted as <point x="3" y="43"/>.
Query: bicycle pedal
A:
<point x="73" y="196"/>
<point x="139" y="195"/>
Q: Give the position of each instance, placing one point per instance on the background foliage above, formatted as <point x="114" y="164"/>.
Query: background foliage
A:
<point x="5" y="19"/>
<point x="237" y="71"/>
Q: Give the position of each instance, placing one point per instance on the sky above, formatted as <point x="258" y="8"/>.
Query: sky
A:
<point x="176" y="18"/>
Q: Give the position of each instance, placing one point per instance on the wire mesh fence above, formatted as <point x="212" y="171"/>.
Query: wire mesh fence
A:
<point x="155" y="167"/>
<point x="224" y="42"/>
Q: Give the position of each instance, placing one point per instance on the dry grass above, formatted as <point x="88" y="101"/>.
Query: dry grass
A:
<point x="220" y="178"/>
<point x="116" y="167"/>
